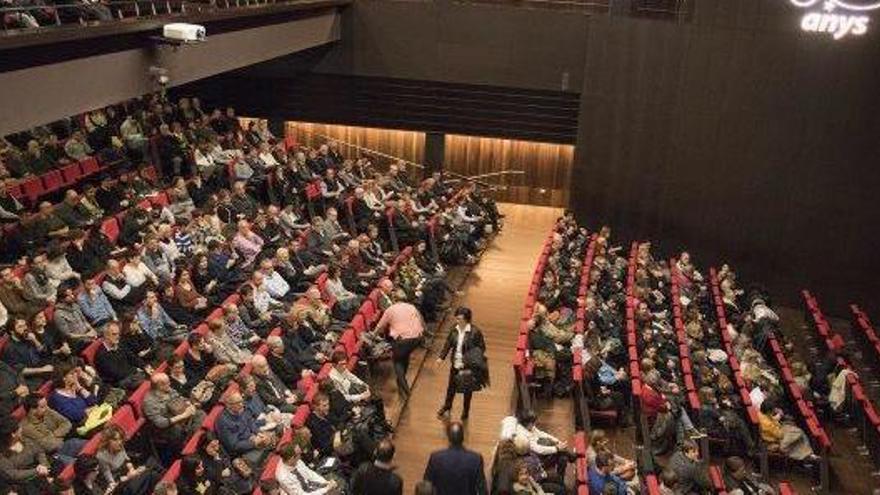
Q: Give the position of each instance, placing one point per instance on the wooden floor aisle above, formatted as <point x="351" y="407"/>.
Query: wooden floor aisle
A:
<point x="495" y="292"/>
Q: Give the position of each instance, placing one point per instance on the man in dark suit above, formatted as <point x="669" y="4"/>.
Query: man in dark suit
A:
<point x="456" y="470"/>
<point x="378" y="478"/>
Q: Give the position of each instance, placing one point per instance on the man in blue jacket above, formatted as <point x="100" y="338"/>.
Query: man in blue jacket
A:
<point x="456" y="470"/>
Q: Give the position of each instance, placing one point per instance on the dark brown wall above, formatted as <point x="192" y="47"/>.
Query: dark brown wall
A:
<point x="463" y="43"/>
<point x="741" y="139"/>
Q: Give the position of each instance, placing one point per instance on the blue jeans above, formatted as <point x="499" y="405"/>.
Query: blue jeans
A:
<point x="67" y="453"/>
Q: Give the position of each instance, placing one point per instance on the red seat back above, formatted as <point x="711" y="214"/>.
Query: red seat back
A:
<point x="160" y="200"/>
<point x="126" y="420"/>
<point x="90" y="351"/>
<point x="172" y="473"/>
<point x="52" y="181"/>
<point x="192" y="445"/>
<point x="71" y="173"/>
<point x="211" y="418"/>
<point x="136" y="399"/>
<point x="110" y="228"/>
<point x="90" y="166"/>
<point x="32" y="189"/>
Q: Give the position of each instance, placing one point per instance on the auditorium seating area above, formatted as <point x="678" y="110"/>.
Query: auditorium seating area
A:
<point x="253" y="246"/>
<point x="696" y="317"/>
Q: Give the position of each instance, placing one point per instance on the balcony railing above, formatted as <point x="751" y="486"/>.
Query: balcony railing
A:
<point x="39" y="15"/>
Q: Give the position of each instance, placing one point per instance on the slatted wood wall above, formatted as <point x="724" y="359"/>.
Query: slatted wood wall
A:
<point x="408" y="145"/>
<point x="547" y="166"/>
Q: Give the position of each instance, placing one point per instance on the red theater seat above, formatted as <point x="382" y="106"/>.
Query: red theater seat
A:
<point x="53" y="181"/>
<point x="71" y="174"/>
<point x="126" y="420"/>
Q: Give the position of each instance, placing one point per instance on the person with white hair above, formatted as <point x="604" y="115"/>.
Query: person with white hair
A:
<point x="270" y="388"/>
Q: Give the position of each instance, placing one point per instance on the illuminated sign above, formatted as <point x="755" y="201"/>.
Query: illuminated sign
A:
<point x="838" y="18"/>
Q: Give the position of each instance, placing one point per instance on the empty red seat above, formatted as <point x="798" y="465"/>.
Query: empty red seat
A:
<point x="52" y="181"/>
<point x="32" y="189"/>
<point x="90" y="166"/>
<point x="110" y="228"/>
<point x="71" y="173"/>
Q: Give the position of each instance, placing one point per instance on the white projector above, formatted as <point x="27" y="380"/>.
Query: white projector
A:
<point x="187" y="33"/>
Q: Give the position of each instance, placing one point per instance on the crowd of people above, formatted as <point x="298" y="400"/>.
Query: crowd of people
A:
<point x="91" y="318"/>
<point x="676" y="425"/>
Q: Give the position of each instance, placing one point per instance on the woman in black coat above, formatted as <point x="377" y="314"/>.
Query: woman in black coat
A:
<point x="469" y="369"/>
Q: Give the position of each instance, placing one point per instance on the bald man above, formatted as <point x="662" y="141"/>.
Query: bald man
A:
<point x="241" y="433"/>
<point x="173" y="418"/>
<point x="270" y="388"/>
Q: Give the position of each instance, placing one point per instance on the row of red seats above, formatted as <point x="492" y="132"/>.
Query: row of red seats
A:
<point x="523" y="367"/>
<point x="866" y="333"/>
<point x="582" y="384"/>
<point x="635" y="369"/>
<point x="684" y="352"/>
<point x="751" y="413"/>
<point x="806" y="414"/>
<point x="31" y="189"/>
<point x="860" y="405"/>
<point x="643" y="437"/>
<point x="581" y="441"/>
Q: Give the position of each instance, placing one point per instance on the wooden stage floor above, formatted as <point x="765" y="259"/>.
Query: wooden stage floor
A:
<point x="495" y="291"/>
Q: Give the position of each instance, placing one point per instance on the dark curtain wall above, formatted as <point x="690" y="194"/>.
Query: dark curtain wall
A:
<point x="740" y="139"/>
<point x="441" y="40"/>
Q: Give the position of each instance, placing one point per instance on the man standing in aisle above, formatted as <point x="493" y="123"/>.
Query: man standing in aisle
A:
<point x="405" y="328"/>
<point x="456" y="470"/>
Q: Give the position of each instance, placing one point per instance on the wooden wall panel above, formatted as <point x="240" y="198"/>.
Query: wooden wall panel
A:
<point x="408" y="145"/>
<point x="547" y="167"/>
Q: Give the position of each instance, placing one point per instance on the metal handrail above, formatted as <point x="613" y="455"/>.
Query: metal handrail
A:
<point x="457" y="177"/>
<point x="119" y="10"/>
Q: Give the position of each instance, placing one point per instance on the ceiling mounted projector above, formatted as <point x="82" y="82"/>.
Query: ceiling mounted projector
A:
<point x="183" y="33"/>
